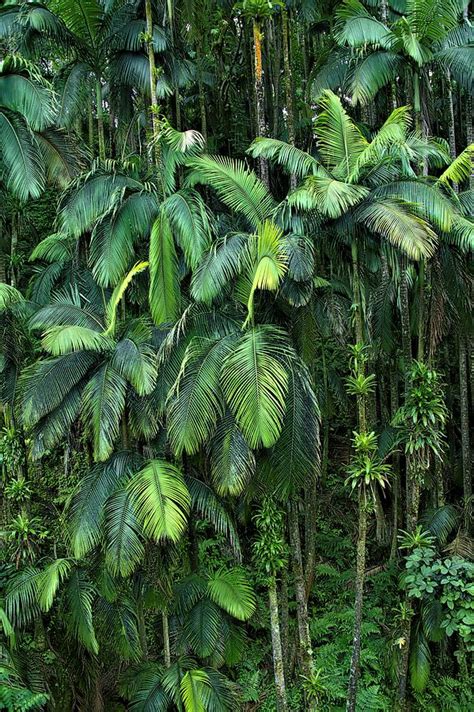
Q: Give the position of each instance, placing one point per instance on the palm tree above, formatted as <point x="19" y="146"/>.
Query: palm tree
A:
<point x="425" y="36"/>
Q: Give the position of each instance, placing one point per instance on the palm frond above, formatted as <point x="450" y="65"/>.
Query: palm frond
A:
<point x="218" y="267"/>
<point x="49" y="581"/>
<point x="161" y="500"/>
<point x="330" y="197"/>
<point x="137" y="363"/>
<point x="372" y="73"/>
<point x="292" y="159"/>
<point x="255" y="384"/>
<point x="79" y="595"/>
<point x="238" y="188"/>
<point x="196" y="401"/>
<point x="460" y="168"/>
<point x="102" y="410"/>
<point x="295" y="456"/>
<point x="22" y="169"/>
<point x="60" y="340"/>
<point x="208" y="506"/>
<point x="394" y="221"/>
<point x="232" y="461"/>
<point x="124" y="548"/>
<point x="231" y="590"/>
<point x="118" y="293"/>
<point x="93" y="491"/>
<point x="356" y="27"/>
<point x="340" y="141"/>
<point x="189" y="220"/>
<point x="164" y="293"/>
<point x="46" y="383"/>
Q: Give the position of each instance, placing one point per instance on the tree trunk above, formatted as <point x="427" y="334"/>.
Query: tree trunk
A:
<point x="282" y="704"/>
<point x="465" y="445"/>
<point x="285" y="621"/>
<point x="290" y="111"/>
<point x="359" y="600"/>
<point x="100" y="119"/>
<point x="152" y="67"/>
<point x="305" y="649"/>
<point x="260" y="96"/>
<point x="166" y="639"/>
<point x="451" y="126"/>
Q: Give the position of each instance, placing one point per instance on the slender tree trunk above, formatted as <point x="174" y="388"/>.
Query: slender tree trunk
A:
<point x="362" y="505"/>
<point x="166" y="639"/>
<point x="282" y="703"/>
<point x="465" y="445"/>
<point x="288" y="80"/>
<point x="305" y="648"/>
<point x="396" y="488"/>
<point x="13" y="248"/>
<point x="100" y="119"/>
<point x="285" y="621"/>
<point x="155" y="125"/>
<point x="90" y="127"/>
<point x="421" y="311"/>
<point x="451" y="126"/>
<point x="260" y="96"/>
<point x="359" y="600"/>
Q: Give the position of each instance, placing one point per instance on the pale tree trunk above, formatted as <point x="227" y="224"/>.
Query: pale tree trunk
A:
<point x="260" y="96"/>
<point x="305" y="648"/>
<point x="359" y="601"/>
<point x="354" y="670"/>
<point x="100" y="119"/>
<point x="285" y="621"/>
<point x="282" y="703"/>
<point x="451" y="127"/>
<point x="288" y="80"/>
<point x="13" y="249"/>
<point x="166" y="639"/>
<point x="152" y="66"/>
<point x="465" y="445"/>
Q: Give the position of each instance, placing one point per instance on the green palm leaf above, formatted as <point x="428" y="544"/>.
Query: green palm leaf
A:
<point x="137" y="363"/>
<point x="164" y="293"/>
<point x="21" y="166"/>
<point x="124" y="549"/>
<point x="60" y="340"/>
<point x="374" y="72"/>
<point x="192" y="688"/>
<point x="236" y="186"/>
<point x="196" y="401"/>
<point x="292" y="159"/>
<point x="49" y="581"/>
<point x="340" y="141"/>
<point x="231" y="590"/>
<point x="88" y="505"/>
<point x="295" y="456"/>
<point x="203" y="627"/>
<point x="211" y="509"/>
<point x="420" y="662"/>
<point x="189" y="220"/>
<point x="79" y="595"/>
<point x="255" y="384"/>
<point x="26" y="96"/>
<point x="232" y="461"/>
<point x="103" y="406"/>
<point x="330" y="197"/>
<point x="161" y="500"/>
<point x="356" y="27"/>
<point x="9" y="296"/>
<point x="460" y="168"/>
<point x="394" y="221"/>
<point x="218" y="267"/>
<point x="46" y="383"/>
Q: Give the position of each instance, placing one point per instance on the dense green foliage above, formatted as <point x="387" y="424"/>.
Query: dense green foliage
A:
<point x="236" y="355"/>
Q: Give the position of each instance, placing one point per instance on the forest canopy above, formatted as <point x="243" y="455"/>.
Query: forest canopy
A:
<point x="236" y="355"/>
